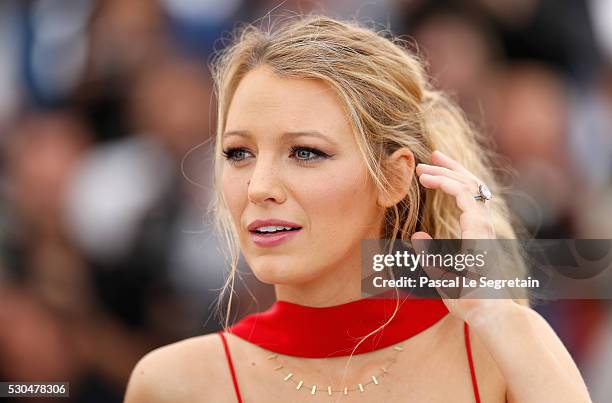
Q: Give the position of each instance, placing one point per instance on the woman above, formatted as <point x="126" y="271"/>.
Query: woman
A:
<point x="328" y="134"/>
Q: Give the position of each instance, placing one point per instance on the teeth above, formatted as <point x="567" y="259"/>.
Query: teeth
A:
<point x="272" y="228"/>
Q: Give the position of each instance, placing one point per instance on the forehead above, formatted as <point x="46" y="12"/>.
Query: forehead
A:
<point x="265" y="102"/>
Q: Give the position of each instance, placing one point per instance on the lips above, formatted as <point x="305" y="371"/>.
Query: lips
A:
<point x="267" y="238"/>
<point x="271" y="223"/>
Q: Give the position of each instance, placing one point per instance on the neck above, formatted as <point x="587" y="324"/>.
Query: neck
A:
<point x="340" y="284"/>
<point x="356" y="327"/>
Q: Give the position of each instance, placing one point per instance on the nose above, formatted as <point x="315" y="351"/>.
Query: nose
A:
<point x="266" y="183"/>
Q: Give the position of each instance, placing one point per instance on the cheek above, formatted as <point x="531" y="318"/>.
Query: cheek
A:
<point x="234" y="191"/>
<point x="341" y="202"/>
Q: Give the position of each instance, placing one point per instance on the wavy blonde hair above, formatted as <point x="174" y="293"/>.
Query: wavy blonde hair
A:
<point x="390" y="103"/>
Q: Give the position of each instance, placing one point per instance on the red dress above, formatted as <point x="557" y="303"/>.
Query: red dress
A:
<point x="287" y="328"/>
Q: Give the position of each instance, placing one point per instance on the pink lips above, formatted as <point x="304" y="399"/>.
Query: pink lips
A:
<point x="272" y="239"/>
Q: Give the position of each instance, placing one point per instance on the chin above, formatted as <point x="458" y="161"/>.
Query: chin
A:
<point x="281" y="270"/>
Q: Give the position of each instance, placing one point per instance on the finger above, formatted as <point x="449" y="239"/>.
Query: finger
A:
<point x="447" y="290"/>
<point x="476" y="225"/>
<point x="449" y="281"/>
<point x="420" y="235"/>
<point x="463" y="195"/>
<point x="439" y="158"/>
<point x="438" y="170"/>
<point x="421" y="241"/>
<point x="475" y="220"/>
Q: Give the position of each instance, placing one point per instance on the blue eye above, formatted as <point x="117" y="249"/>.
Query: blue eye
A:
<point x="235" y="155"/>
<point x="307" y="154"/>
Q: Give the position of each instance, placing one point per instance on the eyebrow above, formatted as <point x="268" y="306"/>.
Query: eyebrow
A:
<point x="307" y="133"/>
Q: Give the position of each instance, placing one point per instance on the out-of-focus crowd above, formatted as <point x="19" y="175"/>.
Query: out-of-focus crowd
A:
<point x="106" y="111"/>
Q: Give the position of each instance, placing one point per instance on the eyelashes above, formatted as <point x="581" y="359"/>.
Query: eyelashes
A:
<point x="235" y="154"/>
<point x="302" y="154"/>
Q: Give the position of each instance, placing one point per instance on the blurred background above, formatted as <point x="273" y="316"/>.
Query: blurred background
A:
<point x="106" y="249"/>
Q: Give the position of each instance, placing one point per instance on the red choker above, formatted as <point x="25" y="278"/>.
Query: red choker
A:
<point x="302" y="331"/>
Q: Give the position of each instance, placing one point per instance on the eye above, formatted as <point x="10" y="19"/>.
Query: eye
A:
<point x="235" y="154"/>
<point x="307" y="154"/>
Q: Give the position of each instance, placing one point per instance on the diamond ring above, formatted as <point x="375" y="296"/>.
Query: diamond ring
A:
<point x="484" y="193"/>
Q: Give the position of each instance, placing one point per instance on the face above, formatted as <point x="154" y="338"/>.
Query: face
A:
<point x="292" y="166"/>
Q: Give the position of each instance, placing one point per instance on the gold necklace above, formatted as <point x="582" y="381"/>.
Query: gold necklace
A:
<point x="361" y="387"/>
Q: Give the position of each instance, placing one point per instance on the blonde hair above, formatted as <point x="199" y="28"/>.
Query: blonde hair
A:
<point x="390" y="104"/>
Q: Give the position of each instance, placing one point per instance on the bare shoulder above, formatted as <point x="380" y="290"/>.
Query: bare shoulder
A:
<point x="537" y="328"/>
<point x="552" y="341"/>
<point x="533" y="319"/>
<point x="190" y="370"/>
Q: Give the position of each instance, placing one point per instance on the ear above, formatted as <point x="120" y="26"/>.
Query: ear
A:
<point x="399" y="168"/>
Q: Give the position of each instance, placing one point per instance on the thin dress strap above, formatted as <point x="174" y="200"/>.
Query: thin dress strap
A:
<point x="471" y="362"/>
<point x="231" y="365"/>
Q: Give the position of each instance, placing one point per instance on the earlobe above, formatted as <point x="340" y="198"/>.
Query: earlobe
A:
<point x="399" y="169"/>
